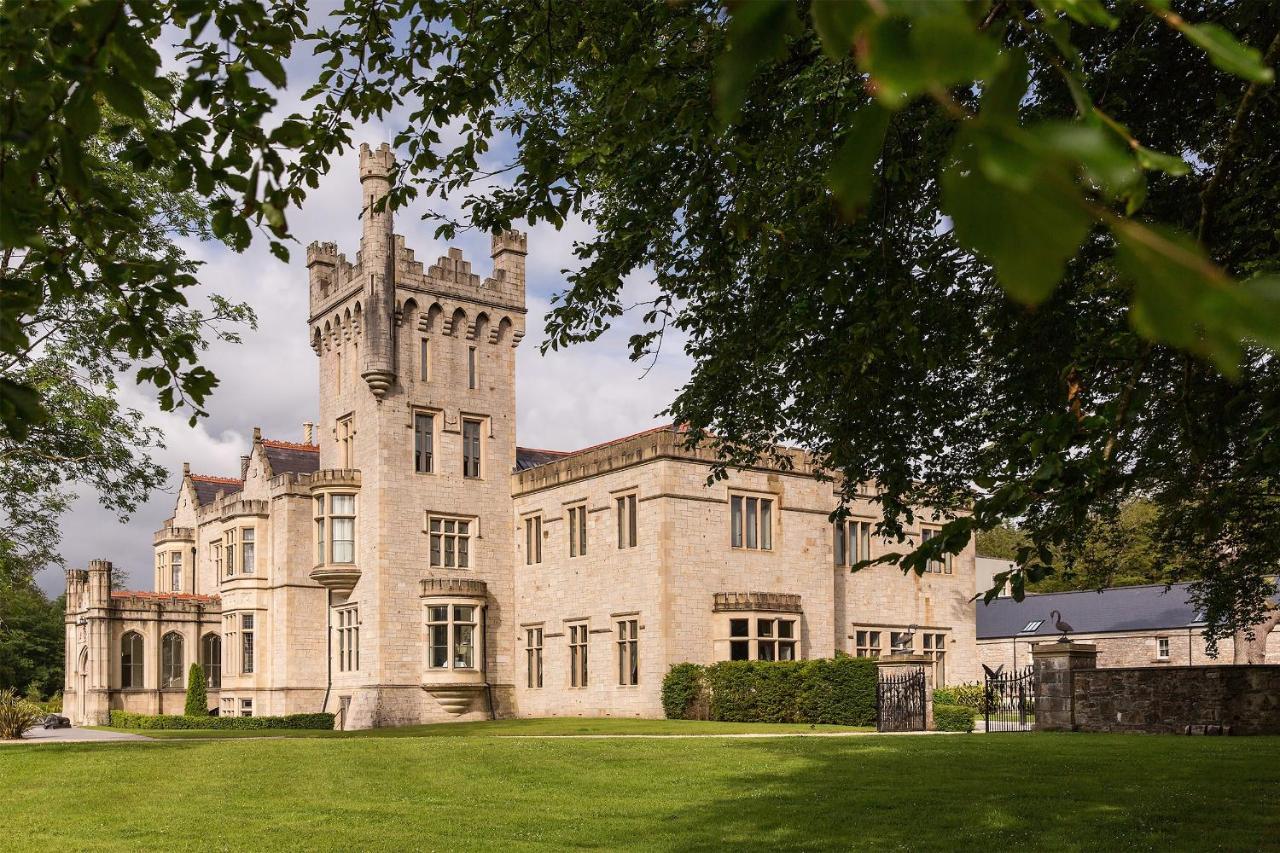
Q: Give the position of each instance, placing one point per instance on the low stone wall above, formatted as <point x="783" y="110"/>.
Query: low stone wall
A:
<point x="1169" y="699"/>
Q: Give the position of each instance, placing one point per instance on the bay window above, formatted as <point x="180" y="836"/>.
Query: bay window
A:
<point x="451" y="636"/>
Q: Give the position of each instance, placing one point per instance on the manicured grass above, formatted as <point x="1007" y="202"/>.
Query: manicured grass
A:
<point x="549" y="726"/>
<point x="960" y="792"/>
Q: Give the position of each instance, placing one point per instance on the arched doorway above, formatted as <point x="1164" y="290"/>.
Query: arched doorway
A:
<point x="82" y="684"/>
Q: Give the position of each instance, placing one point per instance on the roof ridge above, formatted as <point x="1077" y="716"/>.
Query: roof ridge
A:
<point x="211" y="478"/>
<point x="291" y="445"/>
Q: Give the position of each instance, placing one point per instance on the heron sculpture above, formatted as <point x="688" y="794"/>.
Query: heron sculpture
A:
<point x="1062" y="626"/>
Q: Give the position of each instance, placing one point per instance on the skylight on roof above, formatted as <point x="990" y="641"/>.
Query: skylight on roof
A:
<point x="1033" y="625"/>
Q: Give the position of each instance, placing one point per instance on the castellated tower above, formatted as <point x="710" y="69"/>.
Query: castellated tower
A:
<point x="413" y="514"/>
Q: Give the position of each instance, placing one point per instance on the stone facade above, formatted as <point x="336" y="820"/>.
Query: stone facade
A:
<point x="407" y="563"/>
<point x="1243" y="700"/>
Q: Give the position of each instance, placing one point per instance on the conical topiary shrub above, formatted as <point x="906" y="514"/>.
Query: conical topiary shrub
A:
<point x="197" y="696"/>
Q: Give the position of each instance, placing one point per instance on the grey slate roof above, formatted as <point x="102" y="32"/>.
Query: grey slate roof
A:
<point x="1126" y="608"/>
<point x="528" y="457"/>
<point x="207" y="488"/>
<point x="288" y="458"/>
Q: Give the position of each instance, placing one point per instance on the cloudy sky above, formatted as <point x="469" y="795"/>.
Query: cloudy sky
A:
<point x="565" y="400"/>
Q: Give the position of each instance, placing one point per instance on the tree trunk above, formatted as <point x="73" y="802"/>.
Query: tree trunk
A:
<point x="1255" y="650"/>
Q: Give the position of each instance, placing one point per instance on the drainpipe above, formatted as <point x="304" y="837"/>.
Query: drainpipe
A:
<point x="328" y="646"/>
<point x="484" y="661"/>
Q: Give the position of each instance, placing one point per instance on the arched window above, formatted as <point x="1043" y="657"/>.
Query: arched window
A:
<point x="131" y="660"/>
<point x="211" y="660"/>
<point x="171" y="660"/>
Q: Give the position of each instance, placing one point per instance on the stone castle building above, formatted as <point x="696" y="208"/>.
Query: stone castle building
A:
<point x="407" y="562"/>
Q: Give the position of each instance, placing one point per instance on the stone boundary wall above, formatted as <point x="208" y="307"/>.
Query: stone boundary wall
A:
<point x="1164" y="699"/>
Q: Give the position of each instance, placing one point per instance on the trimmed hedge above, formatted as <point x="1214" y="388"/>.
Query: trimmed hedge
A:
<point x="839" y="691"/>
<point x="953" y="718"/>
<point x="128" y="720"/>
<point x="970" y="695"/>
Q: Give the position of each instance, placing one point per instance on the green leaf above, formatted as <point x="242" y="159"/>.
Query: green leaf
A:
<point x="836" y="21"/>
<point x="758" y="30"/>
<point x="1087" y="12"/>
<point x="267" y="64"/>
<point x="908" y="57"/>
<point x="1028" y="235"/>
<point x="851" y="171"/>
<point x="1168" y="163"/>
<point x="1105" y="160"/>
<point x="1227" y="53"/>
<point x="1002" y="92"/>
<point x="124" y="96"/>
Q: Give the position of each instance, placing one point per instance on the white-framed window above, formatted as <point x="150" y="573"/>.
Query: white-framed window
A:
<point x="424" y="359"/>
<point x="451" y="636"/>
<point x="160" y="567"/>
<point x="231" y="637"/>
<point x="175" y="571"/>
<point x="866" y="643"/>
<point x="533" y="540"/>
<point x="533" y="656"/>
<point x="347" y="442"/>
<point x="342" y="528"/>
<point x="348" y="639"/>
<point x="577" y="530"/>
<point x="935" y="647"/>
<point x="751" y="522"/>
<point x="246" y="643"/>
<point x="937" y="567"/>
<point x="628" y="652"/>
<point x="450" y="541"/>
<point x="471" y="368"/>
<point x="762" y="638"/>
<point x="246" y="707"/>
<point x="1162" y="648"/>
<point x="852" y="541"/>
<point x="471" y="448"/>
<point x="229" y="545"/>
<point x="319" y="517"/>
<point x="626" y="509"/>
<point x="217" y="559"/>
<point x="171" y="659"/>
<point x="424" y="431"/>
<point x="578" y="655"/>
<point x="248" y="539"/>
<point x="211" y="660"/>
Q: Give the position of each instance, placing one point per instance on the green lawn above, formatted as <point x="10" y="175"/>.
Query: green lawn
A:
<point x="962" y="792"/>
<point x="545" y="727"/>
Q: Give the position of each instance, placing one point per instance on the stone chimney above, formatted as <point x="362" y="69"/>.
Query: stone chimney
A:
<point x="308" y="432"/>
<point x="99" y="587"/>
<point x="377" y="261"/>
<point x="244" y="467"/>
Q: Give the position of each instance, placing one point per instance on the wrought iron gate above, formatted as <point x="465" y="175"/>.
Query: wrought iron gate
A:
<point x="900" y="702"/>
<point x="1009" y="700"/>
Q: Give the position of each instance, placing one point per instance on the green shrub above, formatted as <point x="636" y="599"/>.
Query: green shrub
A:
<point x="17" y="714"/>
<point x="129" y="720"/>
<point x="952" y="718"/>
<point x="840" y="691"/>
<point x="684" y="693"/>
<point x="197" y="696"/>
<point x="970" y="695"/>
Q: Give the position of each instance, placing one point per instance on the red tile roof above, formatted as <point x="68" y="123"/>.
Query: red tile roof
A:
<point x="164" y="596"/>
<point x="289" y="445"/>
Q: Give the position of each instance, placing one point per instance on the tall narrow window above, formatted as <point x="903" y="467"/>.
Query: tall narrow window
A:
<point x="348" y="639"/>
<point x="533" y="540"/>
<point x="626" y="506"/>
<point x="471" y="367"/>
<point x="171" y="660"/>
<point x="131" y="660"/>
<point x="319" y="515"/>
<point x="628" y="652"/>
<point x="424" y="359"/>
<point x="246" y="642"/>
<point x="464" y="637"/>
<point x="939" y="566"/>
<point x="470" y="448"/>
<point x="438" y="636"/>
<point x="211" y="660"/>
<point x="577" y="531"/>
<point x="175" y="571"/>
<point x="578" y="655"/>
<point x="337" y="365"/>
<point x="347" y="442"/>
<point x="1162" y="648"/>
<point x="246" y="707"/>
<point x="533" y="656"/>
<point x="423" y="442"/>
<point x="342" y="523"/>
<point x="935" y="646"/>
<point x="751" y="523"/>
<point x="229" y="540"/>
<point x="247" y="543"/>
<point x="217" y="559"/>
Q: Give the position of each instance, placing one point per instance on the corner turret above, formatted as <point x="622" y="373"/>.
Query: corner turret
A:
<point x="377" y="260"/>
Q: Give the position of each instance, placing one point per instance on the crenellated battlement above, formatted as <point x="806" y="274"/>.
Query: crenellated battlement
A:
<point x="376" y="162"/>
